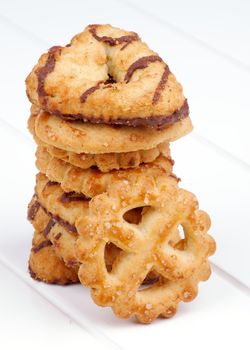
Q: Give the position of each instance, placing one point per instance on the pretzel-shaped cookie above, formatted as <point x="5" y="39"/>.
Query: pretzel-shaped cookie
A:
<point x="45" y="265"/>
<point x="145" y="247"/>
<point x="51" y="211"/>
<point x="74" y="81"/>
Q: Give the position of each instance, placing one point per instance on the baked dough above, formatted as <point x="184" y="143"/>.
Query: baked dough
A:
<point x="74" y="81"/>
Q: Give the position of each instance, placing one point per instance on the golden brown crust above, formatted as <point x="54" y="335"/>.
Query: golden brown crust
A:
<point x="145" y="246"/>
<point x="180" y="266"/>
<point x="100" y="139"/>
<point x="71" y="80"/>
<point x="49" y="207"/>
<point x="46" y="266"/>
<point x="63" y="240"/>
<point x="91" y="182"/>
<point x="109" y="161"/>
<point x="182" y="274"/>
<point x="104" y="162"/>
<point x="107" y="209"/>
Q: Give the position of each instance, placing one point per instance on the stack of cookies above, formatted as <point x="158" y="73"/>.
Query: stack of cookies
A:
<point x="108" y="210"/>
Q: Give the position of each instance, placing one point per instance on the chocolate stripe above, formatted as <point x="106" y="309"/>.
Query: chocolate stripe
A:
<point x="112" y="41"/>
<point x="48" y="228"/>
<point x="171" y="161"/>
<point x="60" y="221"/>
<point x="178" y="179"/>
<point x="108" y="83"/>
<point x="124" y="46"/>
<point x="68" y="197"/>
<point x="32" y="211"/>
<point x="41" y="245"/>
<point x="89" y="91"/>
<point x="55" y="48"/>
<point x="44" y="71"/>
<point x="65" y="224"/>
<point x="150" y="121"/>
<point x="158" y="121"/>
<point x="51" y="183"/>
<point x="141" y="63"/>
<point x="161" y="85"/>
<point x="58" y="236"/>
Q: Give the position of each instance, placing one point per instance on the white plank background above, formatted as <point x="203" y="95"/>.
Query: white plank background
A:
<point x="207" y="46"/>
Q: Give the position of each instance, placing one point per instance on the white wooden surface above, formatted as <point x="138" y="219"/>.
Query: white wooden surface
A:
<point x="207" y="46"/>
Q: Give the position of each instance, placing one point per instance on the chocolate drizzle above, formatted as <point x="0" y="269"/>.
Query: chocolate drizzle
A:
<point x="49" y="226"/>
<point x="68" y="197"/>
<point x="127" y="39"/>
<point x="60" y="221"/>
<point x="171" y="161"/>
<point x="141" y="63"/>
<point x="89" y="91"/>
<point x="178" y="179"/>
<point x="107" y="84"/>
<point x="155" y="121"/>
<point x="55" y="48"/>
<point x="65" y="224"/>
<point x="124" y="46"/>
<point x="53" y="218"/>
<point x="41" y="245"/>
<point x="58" y="236"/>
<point x="32" y="211"/>
<point x="51" y="183"/>
<point x="44" y="71"/>
<point x="161" y="85"/>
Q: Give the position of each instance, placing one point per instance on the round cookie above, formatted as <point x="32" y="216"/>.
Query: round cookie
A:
<point x="106" y="161"/>
<point x="92" y="181"/>
<point x="109" y="161"/>
<point x="56" y="230"/>
<point x="99" y="139"/>
<point x="107" y="75"/>
<point x="46" y="266"/>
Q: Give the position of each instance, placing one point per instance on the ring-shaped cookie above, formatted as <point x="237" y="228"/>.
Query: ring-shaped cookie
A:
<point x="45" y="265"/>
<point x="105" y="162"/>
<point x="101" y="139"/>
<point x="74" y="82"/>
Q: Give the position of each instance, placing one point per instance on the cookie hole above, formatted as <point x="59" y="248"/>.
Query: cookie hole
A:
<point x="180" y="243"/>
<point x="135" y="215"/>
<point x="150" y="280"/>
<point x="181" y="232"/>
<point x="110" y="80"/>
<point x="111" y="253"/>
